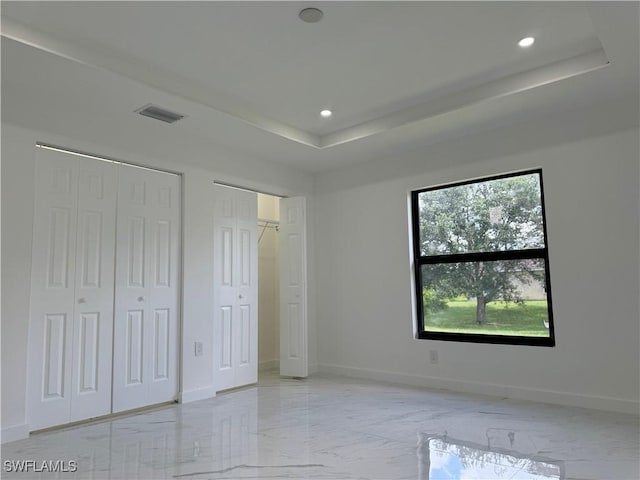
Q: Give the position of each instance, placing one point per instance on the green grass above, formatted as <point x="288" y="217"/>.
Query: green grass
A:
<point x="502" y="318"/>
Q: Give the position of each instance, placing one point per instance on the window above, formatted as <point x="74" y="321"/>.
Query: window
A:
<point x="481" y="261"/>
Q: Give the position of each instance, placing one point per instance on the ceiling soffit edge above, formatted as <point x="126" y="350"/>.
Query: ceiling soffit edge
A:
<point x="19" y="32"/>
<point x="499" y="88"/>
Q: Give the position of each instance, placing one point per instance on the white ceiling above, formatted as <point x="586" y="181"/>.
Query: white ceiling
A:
<point x="251" y="76"/>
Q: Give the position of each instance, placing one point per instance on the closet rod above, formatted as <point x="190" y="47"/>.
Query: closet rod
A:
<point x="102" y="158"/>
<point x="245" y="189"/>
<point x="276" y="226"/>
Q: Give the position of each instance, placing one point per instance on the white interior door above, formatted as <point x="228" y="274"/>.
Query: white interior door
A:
<point x="246" y="320"/>
<point x="52" y="289"/>
<point x="93" y="317"/>
<point x="293" y="288"/>
<point x="236" y="288"/>
<point x="145" y="363"/>
<point x="72" y="290"/>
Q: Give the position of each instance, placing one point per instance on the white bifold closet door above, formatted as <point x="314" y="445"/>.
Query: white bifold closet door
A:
<point x="236" y="288"/>
<point x="145" y="347"/>
<point x="103" y="330"/>
<point x="293" y="288"/>
<point x="70" y="337"/>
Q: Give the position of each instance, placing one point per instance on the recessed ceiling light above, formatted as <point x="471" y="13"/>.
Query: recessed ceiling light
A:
<point x="310" y="15"/>
<point x="526" y="42"/>
<point x="326" y="113"/>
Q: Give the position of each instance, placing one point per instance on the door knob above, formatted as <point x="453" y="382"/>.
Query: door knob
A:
<point x="141" y="299"/>
<point x="239" y="296"/>
<point x="81" y="300"/>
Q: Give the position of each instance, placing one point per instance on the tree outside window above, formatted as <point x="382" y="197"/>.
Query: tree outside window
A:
<point x="481" y="261"/>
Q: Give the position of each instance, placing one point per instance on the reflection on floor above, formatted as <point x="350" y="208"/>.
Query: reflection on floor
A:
<point x="447" y="459"/>
<point x="329" y="427"/>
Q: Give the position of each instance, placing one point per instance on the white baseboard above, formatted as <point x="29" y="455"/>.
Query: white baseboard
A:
<point x="495" y="390"/>
<point x="269" y="365"/>
<point x="17" y="432"/>
<point x="194" y="395"/>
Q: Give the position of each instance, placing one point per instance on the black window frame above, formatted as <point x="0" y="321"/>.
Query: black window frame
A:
<point x="532" y="253"/>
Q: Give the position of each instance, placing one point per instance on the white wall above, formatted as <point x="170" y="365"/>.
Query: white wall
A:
<point x="268" y="284"/>
<point x="200" y="165"/>
<point x="591" y="183"/>
<point x="268" y="207"/>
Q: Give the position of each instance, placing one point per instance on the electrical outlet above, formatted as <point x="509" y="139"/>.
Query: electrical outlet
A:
<point x="197" y="349"/>
<point x="433" y="357"/>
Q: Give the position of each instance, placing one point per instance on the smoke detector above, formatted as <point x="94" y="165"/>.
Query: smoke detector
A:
<point x="310" y="15"/>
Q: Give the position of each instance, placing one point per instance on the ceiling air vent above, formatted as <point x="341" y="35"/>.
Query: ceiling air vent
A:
<point x="159" y="114"/>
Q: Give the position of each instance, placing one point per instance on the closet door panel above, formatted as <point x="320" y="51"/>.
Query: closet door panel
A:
<point x="131" y="292"/>
<point x="94" y="290"/>
<point x="52" y="290"/>
<point x="235" y="296"/>
<point x="225" y="295"/>
<point x="246" y="336"/>
<point x="164" y="279"/>
<point x="147" y="298"/>
<point x="293" y="288"/>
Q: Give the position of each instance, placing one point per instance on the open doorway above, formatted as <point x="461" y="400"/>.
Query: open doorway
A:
<point x="260" y="294"/>
<point x="282" y="285"/>
<point x="268" y="283"/>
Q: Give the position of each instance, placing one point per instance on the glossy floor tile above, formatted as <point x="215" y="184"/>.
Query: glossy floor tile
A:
<point x="329" y="427"/>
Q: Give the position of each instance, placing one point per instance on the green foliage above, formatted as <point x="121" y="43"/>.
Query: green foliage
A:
<point x="502" y="214"/>
<point x="432" y="302"/>
<point x="503" y="318"/>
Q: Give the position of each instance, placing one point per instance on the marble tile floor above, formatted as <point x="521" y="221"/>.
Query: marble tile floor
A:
<point x="330" y="427"/>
